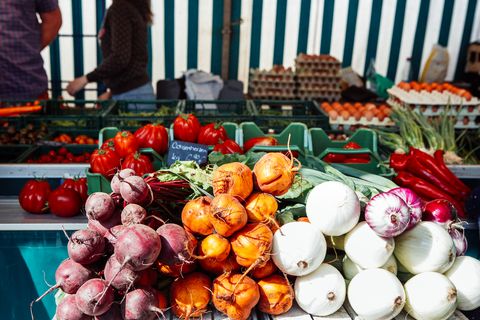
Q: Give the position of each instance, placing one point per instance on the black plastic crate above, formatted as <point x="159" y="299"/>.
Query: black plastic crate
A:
<point x="37" y="151"/>
<point x="11" y="153"/>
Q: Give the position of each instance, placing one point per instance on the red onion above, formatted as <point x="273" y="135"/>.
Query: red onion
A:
<point x="440" y="211"/>
<point x="459" y="240"/>
<point x="387" y="214"/>
<point x="414" y="204"/>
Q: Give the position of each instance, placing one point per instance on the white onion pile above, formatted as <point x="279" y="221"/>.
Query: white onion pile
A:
<point x="465" y="276"/>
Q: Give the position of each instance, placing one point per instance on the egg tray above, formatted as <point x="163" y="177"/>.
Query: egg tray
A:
<point x="434" y="98"/>
<point x="313" y="87"/>
<point x="262" y="75"/>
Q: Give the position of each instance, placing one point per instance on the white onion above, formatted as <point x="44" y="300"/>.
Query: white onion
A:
<point x="333" y="207"/>
<point x="321" y="292"/>
<point x="426" y="247"/>
<point x="387" y="214"/>
<point x="465" y="276"/>
<point x="364" y="247"/>
<point x="376" y="294"/>
<point x="350" y="268"/>
<point x="430" y="296"/>
<point x="298" y="248"/>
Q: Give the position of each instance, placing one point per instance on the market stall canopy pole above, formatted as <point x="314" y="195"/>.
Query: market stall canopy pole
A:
<point x="226" y="34"/>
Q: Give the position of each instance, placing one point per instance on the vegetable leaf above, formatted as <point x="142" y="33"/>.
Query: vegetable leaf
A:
<point x="298" y="191"/>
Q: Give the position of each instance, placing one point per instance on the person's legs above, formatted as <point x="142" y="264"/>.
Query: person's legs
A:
<point x="144" y="92"/>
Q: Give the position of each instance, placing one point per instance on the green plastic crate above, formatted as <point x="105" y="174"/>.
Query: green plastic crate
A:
<point x="298" y="133"/>
<point x="277" y="114"/>
<point x="60" y="114"/>
<point x="120" y="116"/>
<point x="98" y="183"/>
<point x="320" y="145"/>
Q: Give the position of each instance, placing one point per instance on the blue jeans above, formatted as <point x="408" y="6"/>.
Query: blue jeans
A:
<point x="144" y="92"/>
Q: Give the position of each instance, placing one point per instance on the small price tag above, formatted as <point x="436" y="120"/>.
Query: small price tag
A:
<point x="186" y="151"/>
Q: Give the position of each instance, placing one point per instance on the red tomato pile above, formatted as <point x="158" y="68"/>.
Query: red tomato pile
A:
<point x="62" y="155"/>
<point x="67" y="200"/>
<point x="122" y="151"/>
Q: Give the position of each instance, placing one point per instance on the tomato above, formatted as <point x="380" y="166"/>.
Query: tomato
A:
<point x="153" y="136"/>
<point x="259" y="141"/>
<point x="334" y="158"/>
<point x="62" y="151"/>
<point x="108" y="144"/>
<point x="105" y="162"/>
<point x="186" y="127"/>
<point x="64" y="202"/>
<point x="78" y="185"/>
<point x="228" y="147"/>
<point x="34" y="196"/>
<point x="211" y="134"/>
<point x="356" y="158"/>
<point x="139" y="163"/>
<point x="125" y="143"/>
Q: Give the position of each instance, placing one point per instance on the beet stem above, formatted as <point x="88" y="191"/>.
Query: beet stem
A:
<point x="65" y="233"/>
<point x="41" y="297"/>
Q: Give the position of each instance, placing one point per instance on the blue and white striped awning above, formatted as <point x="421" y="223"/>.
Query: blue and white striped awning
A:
<point x="188" y="34"/>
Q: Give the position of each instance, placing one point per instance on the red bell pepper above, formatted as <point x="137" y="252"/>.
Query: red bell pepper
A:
<point x="426" y="190"/>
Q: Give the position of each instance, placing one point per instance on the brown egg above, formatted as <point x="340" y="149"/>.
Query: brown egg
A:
<point x="357" y="115"/>
<point x="369" y="115"/>
<point x="333" y="114"/>
<point x="345" y="114"/>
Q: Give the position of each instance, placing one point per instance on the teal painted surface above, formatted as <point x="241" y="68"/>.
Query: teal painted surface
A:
<point x="419" y="38"/>
<point x="327" y="25"/>
<point x="192" y="45"/>
<point x="303" y="28"/>
<point x="78" y="43"/>
<point x="217" y="26"/>
<point x="350" y="33"/>
<point x="256" y="36"/>
<point x="373" y="32"/>
<point x="279" y="43"/>
<point x="467" y="32"/>
<point x="235" y="39"/>
<point x="446" y="22"/>
<point x="169" y="39"/>
<point x="24" y="258"/>
<point x="396" y="38"/>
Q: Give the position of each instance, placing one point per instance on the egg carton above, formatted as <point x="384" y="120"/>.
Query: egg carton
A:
<point x="444" y="98"/>
<point x="328" y="96"/>
<point x="386" y="122"/>
<point x="271" y="75"/>
<point x="272" y="84"/>
<point x="272" y="91"/>
<point x="274" y="97"/>
<point x="313" y="76"/>
<point x="438" y="110"/>
<point x="301" y="72"/>
<point x="312" y="86"/>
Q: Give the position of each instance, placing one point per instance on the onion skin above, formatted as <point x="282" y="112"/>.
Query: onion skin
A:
<point x="236" y="305"/>
<point x="264" y="271"/>
<point x="413" y="202"/>
<point x="465" y="276"/>
<point x="274" y="173"/>
<point x="276" y="295"/>
<point x="387" y="214"/>
<point x="227" y="215"/>
<point x="261" y="207"/>
<point x="252" y="244"/>
<point x="234" y="178"/>
<point x="190" y="296"/>
<point x="430" y="295"/>
<point x="195" y="216"/>
<point x="459" y="240"/>
<point x="376" y="294"/>
<point x="321" y="292"/>
<point x="427" y="247"/>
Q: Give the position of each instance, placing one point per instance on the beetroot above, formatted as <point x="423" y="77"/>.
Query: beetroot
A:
<point x="67" y="310"/>
<point x="133" y="214"/>
<point x="99" y="206"/>
<point x="69" y="277"/>
<point x="135" y="190"/>
<point x="119" y="177"/>
<point x="177" y="245"/>
<point x="114" y="313"/>
<point x="121" y="278"/>
<point x="140" y="304"/>
<point x="113" y="233"/>
<point x="147" y="277"/>
<point x="86" y="246"/>
<point x="94" y="297"/>
<point x="102" y="227"/>
<point x="138" y="246"/>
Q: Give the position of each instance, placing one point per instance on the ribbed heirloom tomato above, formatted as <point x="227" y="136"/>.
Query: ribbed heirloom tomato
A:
<point x="211" y="134"/>
<point x="125" y="143"/>
<point x="105" y="162"/>
<point x="34" y="196"/>
<point x="153" y="136"/>
<point x="64" y="202"/>
<point x="228" y="147"/>
<point x="186" y="127"/>
<point x="139" y="163"/>
<point x="79" y="185"/>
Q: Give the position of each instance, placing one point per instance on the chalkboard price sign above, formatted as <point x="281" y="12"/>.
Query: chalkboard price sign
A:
<point x="186" y="151"/>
